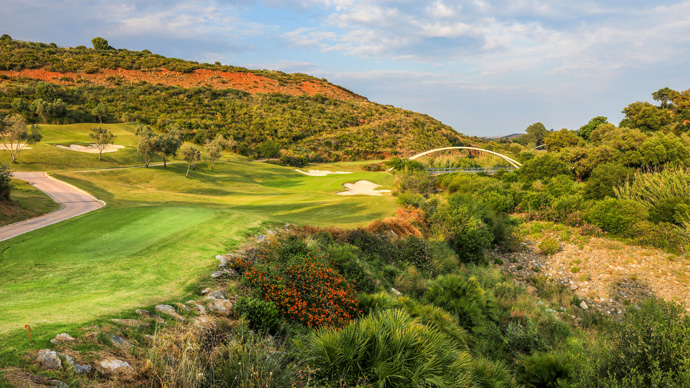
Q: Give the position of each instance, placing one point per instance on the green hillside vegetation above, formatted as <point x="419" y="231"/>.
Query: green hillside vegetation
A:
<point x="312" y="128"/>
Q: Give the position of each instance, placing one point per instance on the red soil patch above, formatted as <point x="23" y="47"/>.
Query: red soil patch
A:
<point x="244" y="81"/>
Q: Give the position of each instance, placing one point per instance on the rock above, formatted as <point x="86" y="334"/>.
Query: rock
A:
<point x="271" y="232"/>
<point x="63" y="337"/>
<point x="182" y="307"/>
<point x="200" y="309"/>
<point x="205" y="291"/>
<point x="49" y="359"/>
<point x="58" y="383"/>
<point x="203" y="322"/>
<point x="260" y="238"/>
<point x="287" y="227"/>
<point x="220" y="257"/>
<point x="67" y="359"/>
<point x="119" y="341"/>
<point x="169" y="310"/>
<point x="396" y="292"/>
<point x="114" y="365"/>
<point x="218" y="274"/>
<point x="83" y="369"/>
<point x="573" y="287"/>
<point x="144" y="313"/>
<point x="220" y="306"/>
<point x="215" y="295"/>
<point x="583" y="305"/>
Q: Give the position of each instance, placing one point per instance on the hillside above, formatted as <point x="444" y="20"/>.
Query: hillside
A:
<point x="265" y="112"/>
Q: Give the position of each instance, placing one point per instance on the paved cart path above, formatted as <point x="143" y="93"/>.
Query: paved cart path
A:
<point x="73" y="202"/>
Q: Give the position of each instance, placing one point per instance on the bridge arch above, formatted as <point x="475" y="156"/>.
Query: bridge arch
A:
<point x="512" y="162"/>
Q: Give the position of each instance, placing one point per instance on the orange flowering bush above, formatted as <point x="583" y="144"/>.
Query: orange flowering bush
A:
<point x="309" y="292"/>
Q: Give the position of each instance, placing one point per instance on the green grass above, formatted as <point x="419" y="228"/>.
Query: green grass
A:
<point x="156" y="239"/>
<point x="27" y="202"/>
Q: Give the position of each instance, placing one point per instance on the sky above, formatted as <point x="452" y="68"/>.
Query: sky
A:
<point x="485" y="68"/>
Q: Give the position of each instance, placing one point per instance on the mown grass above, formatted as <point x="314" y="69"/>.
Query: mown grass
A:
<point x="157" y="237"/>
<point x="26" y="202"/>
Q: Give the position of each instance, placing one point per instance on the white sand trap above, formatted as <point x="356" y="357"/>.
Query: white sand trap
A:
<point x="91" y="148"/>
<point x="6" y="148"/>
<point x="320" y="173"/>
<point x="362" y="188"/>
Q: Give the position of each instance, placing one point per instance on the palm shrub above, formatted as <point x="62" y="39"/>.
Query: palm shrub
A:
<point x="544" y="370"/>
<point x="262" y="315"/>
<point x="464" y="298"/>
<point x="649" y="187"/>
<point x="388" y="349"/>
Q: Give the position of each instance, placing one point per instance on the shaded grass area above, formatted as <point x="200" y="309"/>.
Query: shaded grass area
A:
<point x="27" y="202"/>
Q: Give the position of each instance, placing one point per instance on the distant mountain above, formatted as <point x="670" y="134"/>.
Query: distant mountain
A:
<point x="263" y="111"/>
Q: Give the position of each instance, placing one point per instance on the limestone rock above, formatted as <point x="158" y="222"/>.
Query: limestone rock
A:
<point x="63" y="337"/>
<point x="117" y="366"/>
<point x="215" y="295"/>
<point x="58" y="383"/>
<point x="169" y="310"/>
<point x="200" y="309"/>
<point x="49" y="359"/>
<point x="182" y="307"/>
<point x="119" y="341"/>
<point x="82" y="369"/>
<point x="205" y="291"/>
<point x="144" y="313"/>
<point x="220" y="306"/>
<point x="396" y="292"/>
<point x="583" y="305"/>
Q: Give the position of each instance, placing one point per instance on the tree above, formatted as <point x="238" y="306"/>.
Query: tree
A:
<point x="148" y="143"/>
<point x="268" y="149"/>
<point x="100" y="44"/>
<point x="191" y="155"/>
<point x="215" y="148"/>
<point x="5" y="181"/>
<point x="169" y="143"/>
<point x="557" y="140"/>
<point x="16" y="136"/>
<point x="663" y="96"/>
<point x="536" y="133"/>
<point x="99" y="111"/>
<point x="645" y="117"/>
<point x="586" y="130"/>
<point x="102" y="137"/>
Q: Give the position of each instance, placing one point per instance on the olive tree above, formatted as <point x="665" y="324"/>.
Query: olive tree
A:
<point x="16" y="136"/>
<point x="148" y="143"/>
<point x="101" y="137"/>
<point x="215" y="148"/>
<point x="169" y="143"/>
<point x="191" y="155"/>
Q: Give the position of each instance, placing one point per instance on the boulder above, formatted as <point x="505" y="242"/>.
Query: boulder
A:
<point x="200" y="309"/>
<point x="169" y="310"/>
<point x="220" y="306"/>
<point x="63" y="337"/>
<point x="119" y="341"/>
<point x="215" y="295"/>
<point x="205" y="291"/>
<point x="182" y="307"/>
<point x="116" y="367"/>
<point x="82" y="369"/>
<point x="583" y="305"/>
<point x="49" y="359"/>
<point x="144" y="313"/>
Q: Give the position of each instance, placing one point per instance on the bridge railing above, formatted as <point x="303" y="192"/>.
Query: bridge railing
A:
<point x="469" y="170"/>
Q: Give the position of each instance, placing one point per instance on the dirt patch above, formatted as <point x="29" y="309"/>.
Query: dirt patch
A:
<point x="248" y="82"/>
<point x="362" y="188"/>
<point x="91" y="148"/>
<point x="609" y="275"/>
<point x="320" y="172"/>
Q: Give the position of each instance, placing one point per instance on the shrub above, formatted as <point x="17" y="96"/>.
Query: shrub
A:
<point x="309" y="292"/>
<point x="463" y="297"/>
<point x="549" y="246"/>
<point x="649" y="348"/>
<point x="388" y="349"/>
<point x="5" y="181"/>
<point x="467" y="234"/>
<point x="662" y="235"/>
<point x="544" y="370"/>
<point x="416" y="251"/>
<point x="262" y="315"/>
<point x="605" y="178"/>
<point x="617" y="216"/>
<point x="542" y="167"/>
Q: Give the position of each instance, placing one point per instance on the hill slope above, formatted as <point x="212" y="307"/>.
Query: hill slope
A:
<point x="265" y="112"/>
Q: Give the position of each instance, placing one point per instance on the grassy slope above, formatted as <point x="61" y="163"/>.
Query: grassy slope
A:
<point x="27" y="202"/>
<point x="158" y="235"/>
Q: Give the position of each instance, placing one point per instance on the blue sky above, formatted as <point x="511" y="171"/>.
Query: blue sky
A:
<point x="483" y="67"/>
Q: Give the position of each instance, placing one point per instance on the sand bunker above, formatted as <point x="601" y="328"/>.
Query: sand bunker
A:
<point x="362" y="188"/>
<point x="5" y="148"/>
<point x="91" y="148"/>
<point x="320" y="173"/>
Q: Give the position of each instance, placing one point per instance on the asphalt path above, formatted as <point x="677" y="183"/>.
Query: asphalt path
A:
<point x="73" y="202"/>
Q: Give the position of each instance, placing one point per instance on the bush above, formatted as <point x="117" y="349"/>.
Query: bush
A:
<point x="466" y="234"/>
<point x="549" y="246"/>
<point x="649" y="348"/>
<point x="261" y="314"/>
<point x="542" y="168"/>
<point x="309" y="292"/>
<point x="5" y="181"/>
<point x="662" y="235"/>
<point x="605" y="178"/>
<point x="617" y="216"/>
<point x="544" y="370"/>
<point x="463" y="297"/>
<point x="388" y="349"/>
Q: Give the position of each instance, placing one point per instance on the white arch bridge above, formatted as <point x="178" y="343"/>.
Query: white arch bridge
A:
<point x="514" y="163"/>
